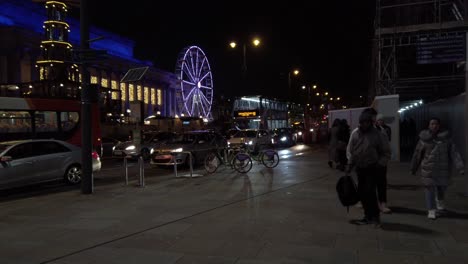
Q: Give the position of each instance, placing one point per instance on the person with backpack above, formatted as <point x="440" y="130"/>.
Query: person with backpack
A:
<point x="435" y="153"/>
<point x="368" y="151"/>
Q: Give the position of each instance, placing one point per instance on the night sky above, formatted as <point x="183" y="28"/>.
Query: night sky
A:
<point x="328" y="40"/>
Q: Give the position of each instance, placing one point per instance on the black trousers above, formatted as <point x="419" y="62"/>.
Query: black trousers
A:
<point x="382" y="184"/>
<point x="367" y="187"/>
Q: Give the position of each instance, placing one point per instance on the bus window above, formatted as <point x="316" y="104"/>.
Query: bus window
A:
<point x="69" y="120"/>
<point x="46" y="121"/>
<point x="15" y="122"/>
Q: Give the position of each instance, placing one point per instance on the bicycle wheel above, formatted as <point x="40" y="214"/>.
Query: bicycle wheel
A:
<point x="242" y="163"/>
<point x="211" y="163"/>
<point x="270" y="158"/>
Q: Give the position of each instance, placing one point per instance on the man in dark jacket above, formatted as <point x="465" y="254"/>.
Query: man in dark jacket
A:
<point x="368" y="150"/>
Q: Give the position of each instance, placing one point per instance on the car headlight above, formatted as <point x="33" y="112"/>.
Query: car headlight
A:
<point x="177" y="150"/>
<point x="113" y="148"/>
<point x="284" y="138"/>
<point x="250" y="142"/>
<point x="130" y="148"/>
<point x="152" y="151"/>
<point x="299" y="133"/>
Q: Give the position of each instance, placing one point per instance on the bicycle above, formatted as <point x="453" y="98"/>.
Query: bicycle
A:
<point x="268" y="157"/>
<point x="232" y="157"/>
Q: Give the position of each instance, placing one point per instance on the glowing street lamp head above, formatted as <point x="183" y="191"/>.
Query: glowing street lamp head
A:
<point x="303" y="87"/>
<point x="233" y="44"/>
<point x="314" y="87"/>
<point x="256" y="42"/>
<point x="296" y="72"/>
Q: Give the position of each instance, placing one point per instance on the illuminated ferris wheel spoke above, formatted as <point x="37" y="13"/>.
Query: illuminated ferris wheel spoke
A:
<point x="196" y="66"/>
<point x="202" y="78"/>
<point x="190" y="93"/>
<point x="193" y="65"/>
<point x="188" y="73"/>
<point x="206" y="87"/>
<point x="201" y="104"/>
<point x="187" y="82"/>
<point x="195" y="91"/>
<point x="201" y="67"/>
<point x="203" y="97"/>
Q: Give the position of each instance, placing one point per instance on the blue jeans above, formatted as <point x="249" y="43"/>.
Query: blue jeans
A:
<point x="433" y="192"/>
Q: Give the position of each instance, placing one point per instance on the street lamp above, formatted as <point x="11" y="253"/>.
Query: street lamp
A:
<point x="255" y="42"/>
<point x="295" y="72"/>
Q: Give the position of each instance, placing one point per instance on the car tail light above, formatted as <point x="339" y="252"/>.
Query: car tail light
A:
<point x="95" y="155"/>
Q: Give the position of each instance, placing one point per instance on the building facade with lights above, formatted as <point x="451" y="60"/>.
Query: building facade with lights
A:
<point x="39" y="57"/>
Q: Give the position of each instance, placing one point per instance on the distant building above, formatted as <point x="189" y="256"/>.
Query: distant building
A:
<point x="36" y="59"/>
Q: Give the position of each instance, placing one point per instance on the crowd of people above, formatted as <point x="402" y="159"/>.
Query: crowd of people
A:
<point x="367" y="151"/>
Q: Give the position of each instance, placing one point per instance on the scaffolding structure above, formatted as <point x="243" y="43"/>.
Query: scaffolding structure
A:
<point x="419" y="49"/>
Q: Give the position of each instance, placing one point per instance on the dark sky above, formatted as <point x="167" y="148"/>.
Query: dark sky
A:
<point x="328" y="40"/>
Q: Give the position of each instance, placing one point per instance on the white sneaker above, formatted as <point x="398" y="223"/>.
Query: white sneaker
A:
<point x="431" y="214"/>
<point x="440" y="205"/>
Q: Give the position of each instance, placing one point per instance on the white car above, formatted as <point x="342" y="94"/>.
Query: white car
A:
<point x="254" y="138"/>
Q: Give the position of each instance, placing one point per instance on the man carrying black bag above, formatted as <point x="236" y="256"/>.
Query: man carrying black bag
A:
<point x="368" y="150"/>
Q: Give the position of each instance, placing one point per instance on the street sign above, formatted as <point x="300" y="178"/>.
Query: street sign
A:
<point x="134" y="74"/>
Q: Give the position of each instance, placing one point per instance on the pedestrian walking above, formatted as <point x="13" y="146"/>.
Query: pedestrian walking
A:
<point x="435" y="153"/>
<point x="368" y="150"/>
<point x="382" y="174"/>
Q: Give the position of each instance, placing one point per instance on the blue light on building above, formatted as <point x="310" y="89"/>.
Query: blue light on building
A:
<point x="29" y="15"/>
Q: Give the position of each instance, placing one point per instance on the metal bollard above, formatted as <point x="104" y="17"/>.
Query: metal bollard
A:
<point x="126" y="169"/>
<point x="191" y="166"/>
<point x="141" y="164"/>
<point x="175" y="164"/>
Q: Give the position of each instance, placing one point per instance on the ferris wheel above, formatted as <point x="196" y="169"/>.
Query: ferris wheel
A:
<point x="194" y="93"/>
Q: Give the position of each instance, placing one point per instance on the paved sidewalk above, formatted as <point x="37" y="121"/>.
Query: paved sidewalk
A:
<point x="289" y="214"/>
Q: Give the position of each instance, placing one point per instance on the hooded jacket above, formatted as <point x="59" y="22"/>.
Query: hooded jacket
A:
<point x="436" y="154"/>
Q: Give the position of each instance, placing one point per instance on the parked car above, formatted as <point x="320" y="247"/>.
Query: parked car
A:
<point x="27" y="162"/>
<point x="254" y="138"/>
<point x="284" y="136"/>
<point x="108" y="145"/>
<point x="149" y="141"/>
<point x="198" y="143"/>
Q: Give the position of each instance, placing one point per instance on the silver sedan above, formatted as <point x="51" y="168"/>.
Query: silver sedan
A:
<point x="32" y="161"/>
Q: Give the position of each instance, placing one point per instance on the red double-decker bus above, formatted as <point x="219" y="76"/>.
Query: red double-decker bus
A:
<point x="34" y="118"/>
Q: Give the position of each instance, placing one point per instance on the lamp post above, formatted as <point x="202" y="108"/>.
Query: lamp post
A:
<point x="233" y="45"/>
<point x="294" y="72"/>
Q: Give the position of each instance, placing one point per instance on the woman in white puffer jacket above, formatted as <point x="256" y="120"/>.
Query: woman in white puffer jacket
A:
<point x="436" y="153"/>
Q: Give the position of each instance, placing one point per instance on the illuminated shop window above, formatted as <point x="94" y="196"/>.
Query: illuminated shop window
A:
<point x="115" y="95"/>
<point x="123" y="90"/>
<point x="94" y="79"/>
<point x="41" y="73"/>
<point x="147" y="94"/>
<point x="139" y="92"/>
<point x="104" y="82"/>
<point x="131" y="93"/>
<point x="159" y="97"/>
<point x="153" y="96"/>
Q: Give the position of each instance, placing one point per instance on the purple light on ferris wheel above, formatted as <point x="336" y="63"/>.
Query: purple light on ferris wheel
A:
<point x="195" y="93"/>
